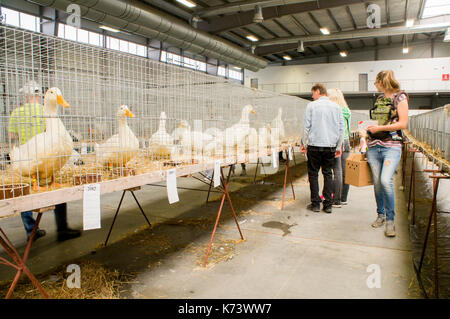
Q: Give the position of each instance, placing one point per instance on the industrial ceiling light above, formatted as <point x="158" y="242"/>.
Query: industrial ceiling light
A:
<point x="252" y="38"/>
<point x="104" y="27"/>
<point x="325" y="31"/>
<point x="287" y="57"/>
<point x="447" y="35"/>
<point x="258" y="17"/>
<point x="405" y="50"/>
<point x="409" y="23"/>
<point x="300" y="47"/>
<point x="343" y="54"/>
<point x="194" y="20"/>
<point x="187" y="3"/>
<point x="405" y="45"/>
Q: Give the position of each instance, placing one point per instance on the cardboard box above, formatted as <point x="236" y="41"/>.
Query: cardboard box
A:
<point x="357" y="170"/>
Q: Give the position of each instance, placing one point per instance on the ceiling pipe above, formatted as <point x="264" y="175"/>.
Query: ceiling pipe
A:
<point x="138" y="18"/>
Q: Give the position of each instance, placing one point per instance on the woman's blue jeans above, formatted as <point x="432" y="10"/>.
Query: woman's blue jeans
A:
<point x="383" y="161"/>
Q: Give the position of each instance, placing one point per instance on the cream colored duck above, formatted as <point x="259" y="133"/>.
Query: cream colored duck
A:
<point x="161" y="144"/>
<point x="121" y="147"/>
<point x="45" y="153"/>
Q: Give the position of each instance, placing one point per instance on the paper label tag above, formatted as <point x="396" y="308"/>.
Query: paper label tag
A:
<point x="217" y="173"/>
<point x="291" y="156"/>
<point x="91" y="207"/>
<point x="83" y="148"/>
<point x="172" y="191"/>
<point x="274" y="158"/>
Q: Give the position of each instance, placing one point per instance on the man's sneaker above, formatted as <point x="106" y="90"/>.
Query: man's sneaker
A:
<point x="313" y="207"/>
<point x="337" y="204"/>
<point x="327" y="209"/>
<point x="39" y="233"/>
<point x="344" y="203"/>
<point x="68" y="234"/>
<point x="390" y="229"/>
<point x="379" y="221"/>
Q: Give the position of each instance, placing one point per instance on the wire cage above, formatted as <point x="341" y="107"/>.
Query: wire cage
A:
<point x="73" y="113"/>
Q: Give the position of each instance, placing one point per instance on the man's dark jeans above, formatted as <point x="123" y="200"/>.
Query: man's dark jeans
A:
<point x="321" y="157"/>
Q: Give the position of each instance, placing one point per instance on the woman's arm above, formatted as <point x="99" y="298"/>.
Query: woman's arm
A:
<point x="402" y="110"/>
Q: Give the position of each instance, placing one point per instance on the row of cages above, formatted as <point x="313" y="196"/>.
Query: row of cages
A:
<point x="72" y="113"/>
<point x="433" y="130"/>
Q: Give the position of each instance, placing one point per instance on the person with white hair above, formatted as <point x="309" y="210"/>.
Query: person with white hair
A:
<point x="341" y="189"/>
<point x="25" y="122"/>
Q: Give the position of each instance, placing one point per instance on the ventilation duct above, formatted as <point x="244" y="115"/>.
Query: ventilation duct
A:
<point x="138" y="18"/>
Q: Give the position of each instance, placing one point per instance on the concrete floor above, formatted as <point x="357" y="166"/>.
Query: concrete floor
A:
<point x="292" y="253"/>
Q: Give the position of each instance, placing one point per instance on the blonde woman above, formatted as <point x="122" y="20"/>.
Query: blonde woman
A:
<point x="341" y="189"/>
<point x="385" y="145"/>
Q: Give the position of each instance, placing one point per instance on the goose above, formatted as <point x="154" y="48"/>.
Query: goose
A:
<point x="121" y="147"/>
<point x="161" y="143"/>
<point x="45" y="153"/>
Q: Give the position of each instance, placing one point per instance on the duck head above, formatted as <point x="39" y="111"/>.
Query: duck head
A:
<point x="162" y="121"/>
<point x="184" y="124"/>
<point x="124" y="112"/>
<point x="246" y="112"/>
<point x="52" y="97"/>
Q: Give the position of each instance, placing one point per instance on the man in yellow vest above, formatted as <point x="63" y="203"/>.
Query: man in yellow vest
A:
<point x="26" y="121"/>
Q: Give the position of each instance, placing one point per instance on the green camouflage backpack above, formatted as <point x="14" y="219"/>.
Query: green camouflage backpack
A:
<point x="385" y="112"/>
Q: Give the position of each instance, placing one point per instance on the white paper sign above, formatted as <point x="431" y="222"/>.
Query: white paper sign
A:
<point x="217" y="173"/>
<point x="83" y="148"/>
<point x="172" y="191"/>
<point x="91" y="207"/>
<point x="274" y="159"/>
<point x="363" y="125"/>
<point x="291" y="157"/>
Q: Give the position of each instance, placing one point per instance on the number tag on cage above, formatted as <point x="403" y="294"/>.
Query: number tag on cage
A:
<point x="217" y="173"/>
<point x="274" y="158"/>
<point x="83" y="148"/>
<point x="172" y="191"/>
<point x="91" y="207"/>
<point x="291" y="157"/>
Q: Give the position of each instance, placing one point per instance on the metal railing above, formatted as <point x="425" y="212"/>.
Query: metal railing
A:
<point x="409" y="85"/>
<point x="433" y="129"/>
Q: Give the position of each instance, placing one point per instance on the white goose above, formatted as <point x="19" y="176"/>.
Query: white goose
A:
<point x="121" y="147"/>
<point x="45" y="153"/>
<point x="161" y="144"/>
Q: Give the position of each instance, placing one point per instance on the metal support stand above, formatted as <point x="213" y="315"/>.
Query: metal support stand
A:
<point x="225" y="195"/>
<point x="433" y="216"/>
<point x="19" y="262"/>
<point x="412" y="187"/>
<point x="256" y="170"/>
<point x="404" y="157"/>
<point x="286" y="173"/>
<point x="131" y="190"/>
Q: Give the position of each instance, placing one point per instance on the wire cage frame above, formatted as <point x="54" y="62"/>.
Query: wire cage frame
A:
<point x="125" y="115"/>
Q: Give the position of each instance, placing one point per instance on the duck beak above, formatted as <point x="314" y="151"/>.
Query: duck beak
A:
<point x="61" y="101"/>
<point x="252" y="111"/>
<point x="128" y="113"/>
<point x="180" y="125"/>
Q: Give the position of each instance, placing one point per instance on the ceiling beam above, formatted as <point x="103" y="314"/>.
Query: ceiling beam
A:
<point x="355" y="26"/>
<point x="360" y="34"/>
<point x="282" y="27"/>
<point x="313" y="18"/>
<point x="388" y="14"/>
<point x="241" y="19"/>
<point x="365" y="49"/>
<point x="300" y="25"/>
<point x="262" y="26"/>
<point x="330" y="14"/>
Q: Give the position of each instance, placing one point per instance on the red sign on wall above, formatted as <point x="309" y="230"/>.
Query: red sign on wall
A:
<point x="445" y="77"/>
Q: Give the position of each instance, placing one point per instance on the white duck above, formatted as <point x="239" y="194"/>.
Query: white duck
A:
<point x="277" y="125"/>
<point x="234" y="135"/>
<point x="45" y="153"/>
<point x="161" y="144"/>
<point x="265" y="137"/>
<point x="121" y="147"/>
<point x="192" y="141"/>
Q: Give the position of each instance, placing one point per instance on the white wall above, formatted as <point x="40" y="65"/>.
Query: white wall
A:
<point x="413" y="74"/>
